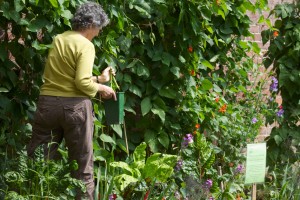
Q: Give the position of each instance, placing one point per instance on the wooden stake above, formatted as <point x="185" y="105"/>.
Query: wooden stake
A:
<point x="126" y="142"/>
<point x="253" y="195"/>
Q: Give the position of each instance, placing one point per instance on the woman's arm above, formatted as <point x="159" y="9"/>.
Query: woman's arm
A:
<point x="105" y="75"/>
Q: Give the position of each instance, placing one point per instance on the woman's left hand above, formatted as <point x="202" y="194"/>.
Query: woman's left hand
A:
<point x="105" y="76"/>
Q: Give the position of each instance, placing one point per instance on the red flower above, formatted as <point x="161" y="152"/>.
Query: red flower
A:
<point x="217" y="99"/>
<point x="190" y="49"/>
<point x="280" y="107"/>
<point x="197" y="126"/>
<point x="223" y="108"/>
<point x="192" y="72"/>
<point x="275" y="33"/>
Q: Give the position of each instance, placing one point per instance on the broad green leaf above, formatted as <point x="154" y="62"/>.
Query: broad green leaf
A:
<point x="143" y="9"/>
<point x="23" y="22"/>
<point x="67" y="14"/>
<point x="175" y="71"/>
<point x="123" y="180"/>
<point x="5" y="9"/>
<point x="242" y="88"/>
<point x="160" y="166"/>
<point x="118" y="129"/>
<point x="38" y="46"/>
<point x="54" y="3"/>
<point x="214" y="58"/>
<point x="135" y="90"/>
<point x="150" y="136"/>
<point x="146" y="105"/>
<point x="101" y="154"/>
<point x="122" y="145"/>
<point x="255" y="47"/>
<point x="161" y="113"/>
<point x="182" y="59"/>
<point x="107" y="138"/>
<point x="244" y="44"/>
<point x="15" y="16"/>
<point x="217" y="88"/>
<point x="226" y="30"/>
<point x="159" y="103"/>
<point x="167" y="92"/>
<point x="166" y="58"/>
<point x="37" y="24"/>
<point x="163" y="139"/>
<point x="132" y="64"/>
<point x="278" y="139"/>
<point x="142" y="70"/>
<point x="139" y="153"/>
<point x="207" y="64"/>
<point x="122" y="165"/>
<point x="160" y="1"/>
<point x="206" y="14"/>
<point x="19" y="5"/>
<point x="220" y="12"/>
<point x="151" y="140"/>
<point x="3" y="89"/>
<point x="206" y="84"/>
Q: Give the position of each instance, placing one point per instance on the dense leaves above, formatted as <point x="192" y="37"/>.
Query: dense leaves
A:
<point x="180" y="63"/>
<point x="284" y="54"/>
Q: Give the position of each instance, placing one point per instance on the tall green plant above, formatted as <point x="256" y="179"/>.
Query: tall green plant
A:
<point x="284" y="56"/>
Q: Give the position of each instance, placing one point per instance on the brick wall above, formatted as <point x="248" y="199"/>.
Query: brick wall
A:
<point x="256" y="30"/>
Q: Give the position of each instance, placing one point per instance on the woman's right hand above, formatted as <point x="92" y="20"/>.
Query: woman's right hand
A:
<point x="107" y="92"/>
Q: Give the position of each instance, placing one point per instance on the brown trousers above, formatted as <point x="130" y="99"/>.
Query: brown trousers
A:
<point x="70" y="118"/>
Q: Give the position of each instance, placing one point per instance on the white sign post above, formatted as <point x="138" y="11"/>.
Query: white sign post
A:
<point x="255" y="165"/>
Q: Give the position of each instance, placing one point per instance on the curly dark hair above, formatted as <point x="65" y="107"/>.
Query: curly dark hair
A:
<point x="89" y="15"/>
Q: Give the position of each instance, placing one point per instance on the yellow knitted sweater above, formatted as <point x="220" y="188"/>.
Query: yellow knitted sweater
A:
<point x="69" y="67"/>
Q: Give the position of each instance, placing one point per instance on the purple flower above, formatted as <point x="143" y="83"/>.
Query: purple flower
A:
<point x="274" y="85"/>
<point x="280" y="113"/>
<point x="239" y="168"/>
<point x="211" y="198"/>
<point x="271" y="99"/>
<point x="112" y="197"/>
<point x="254" y="120"/>
<point x="208" y="183"/>
<point x="178" y="165"/>
<point x="187" y="140"/>
<point x="274" y="80"/>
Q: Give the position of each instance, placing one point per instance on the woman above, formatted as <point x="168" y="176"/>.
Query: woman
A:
<point x="64" y="108"/>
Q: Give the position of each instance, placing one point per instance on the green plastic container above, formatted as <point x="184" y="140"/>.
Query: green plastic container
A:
<point x="114" y="110"/>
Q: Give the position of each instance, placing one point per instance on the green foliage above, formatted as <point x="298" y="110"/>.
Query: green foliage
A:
<point x="39" y="179"/>
<point x="282" y="184"/>
<point x="157" y="167"/>
<point x="180" y="63"/>
<point x="284" y="54"/>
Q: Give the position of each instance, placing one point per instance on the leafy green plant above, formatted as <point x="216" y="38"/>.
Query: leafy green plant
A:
<point x="40" y="179"/>
<point x="283" y="53"/>
<point x="282" y="184"/>
<point x="142" y="172"/>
